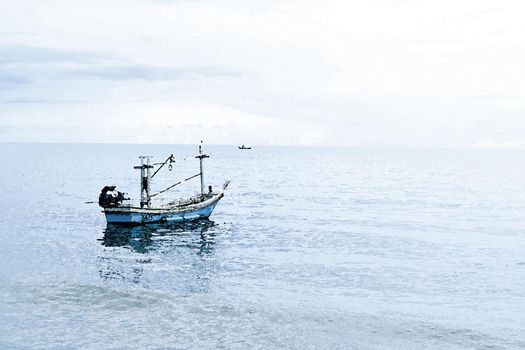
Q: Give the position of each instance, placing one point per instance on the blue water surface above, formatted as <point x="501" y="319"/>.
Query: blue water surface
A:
<point x="311" y="248"/>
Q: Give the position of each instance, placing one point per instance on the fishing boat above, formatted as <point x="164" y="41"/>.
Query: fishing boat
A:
<point x="244" y="147"/>
<point x="194" y="208"/>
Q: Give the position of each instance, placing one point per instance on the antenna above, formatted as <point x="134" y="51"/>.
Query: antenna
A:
<point x="201" y="156"/>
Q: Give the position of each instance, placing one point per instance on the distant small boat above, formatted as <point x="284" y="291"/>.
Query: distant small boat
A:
<point x="197" y="207"/>
<point x="244" y="147"/>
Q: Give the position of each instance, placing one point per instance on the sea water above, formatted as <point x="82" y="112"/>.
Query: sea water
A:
<point x="311" y="248"/>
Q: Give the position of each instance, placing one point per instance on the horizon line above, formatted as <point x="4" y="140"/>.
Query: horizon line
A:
<point x="446" y="147"/>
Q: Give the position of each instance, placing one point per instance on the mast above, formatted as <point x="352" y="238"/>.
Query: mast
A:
<point x="201" y="156"/>
<point x="145" y="179"/>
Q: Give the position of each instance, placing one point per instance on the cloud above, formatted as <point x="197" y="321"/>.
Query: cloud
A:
<point x="143" y="72"/>
<point x="383" y="72"/>
<point x="37" y="75"/>
<point x="11" y="80"/>
<point x="43" y="55"/>
<point x="39" y="62"/>
<point x="33" y="101"/>
<point x="152" y="122"/>
<point x="312" y="138"/>
<point x="489" y="143"/>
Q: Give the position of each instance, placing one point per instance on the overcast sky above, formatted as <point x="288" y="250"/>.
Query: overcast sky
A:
<point x="392" y="73"/>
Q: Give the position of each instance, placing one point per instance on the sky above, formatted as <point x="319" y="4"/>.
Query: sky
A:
<point x="375" y="73"/>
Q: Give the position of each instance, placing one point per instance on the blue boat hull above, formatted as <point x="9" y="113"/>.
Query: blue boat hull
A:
<point x="138" y="216"/>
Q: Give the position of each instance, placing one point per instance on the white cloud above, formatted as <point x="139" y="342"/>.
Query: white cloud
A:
<point x="312" y="138"/>
<point x="389" y="73"/>
<point x="495" y="144"/>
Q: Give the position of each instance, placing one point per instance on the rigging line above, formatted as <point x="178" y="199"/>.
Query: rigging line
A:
<point x="175" y="184"/>
<point x="171" y="159"/>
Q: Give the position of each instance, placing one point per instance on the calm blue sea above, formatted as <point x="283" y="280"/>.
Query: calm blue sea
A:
<point x="311" y="248"/>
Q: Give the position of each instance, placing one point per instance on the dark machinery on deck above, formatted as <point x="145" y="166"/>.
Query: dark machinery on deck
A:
<point x="110" y="197"/>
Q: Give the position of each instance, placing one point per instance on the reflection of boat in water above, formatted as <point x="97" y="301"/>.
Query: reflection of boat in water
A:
<point x="138" y="238"/>
<point x="144" y="254"/>
<point x="141" y="238"/>
<point x="244" y="147"/>
<point x="197" y="207"/>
